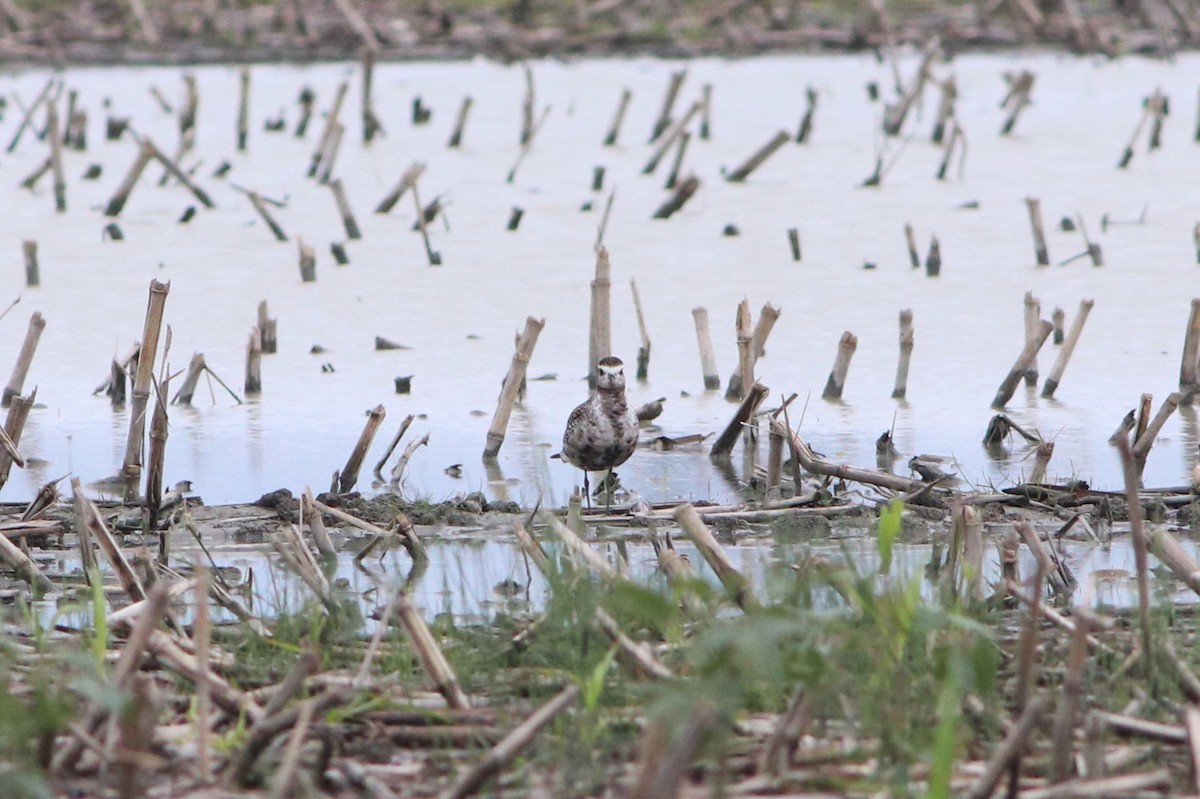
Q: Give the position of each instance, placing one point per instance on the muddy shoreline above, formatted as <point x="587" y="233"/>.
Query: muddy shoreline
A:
<point x="195" y="32"/>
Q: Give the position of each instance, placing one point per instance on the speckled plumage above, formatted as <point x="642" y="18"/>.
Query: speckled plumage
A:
<point x="603" y="432"/>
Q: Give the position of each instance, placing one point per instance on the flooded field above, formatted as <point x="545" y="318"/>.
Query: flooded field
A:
<point x="458" y="319"/>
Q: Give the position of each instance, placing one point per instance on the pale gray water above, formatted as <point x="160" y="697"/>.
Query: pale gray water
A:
<point x="968" y="322"/>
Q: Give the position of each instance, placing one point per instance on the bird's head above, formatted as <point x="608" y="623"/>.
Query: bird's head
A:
<point x="610" y="374"/>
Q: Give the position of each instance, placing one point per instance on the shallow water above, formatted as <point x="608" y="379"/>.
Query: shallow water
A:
<point x="474" y="576"/>
<point x="460" y="318"/>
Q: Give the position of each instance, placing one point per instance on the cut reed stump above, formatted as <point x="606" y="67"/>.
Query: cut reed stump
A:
<point x="460" y="123"/>
<point x="154" y="469"/>
<point x="614" y="130"/>
<point x="174" y="170"/>
<point x="767" y="318"/>
<point x="735" y="582"/>
<point x="910" y="237"/>
<point x="142" y="380"/>
<point x="349" y="473"/>
<point x="755" y="161"/>
<point x="253" y="383"/>
<point x="331" y="122"/>
<point x="1191" y="351"/>
<point x="243" y="117"/>
<point x="433" y="257"/>
<point x="29" y="252"/>
<point x="706" y="111"/>
<point x="343" y="206"/>
<point x="1058" y="317"/>
<point x="1033" y="319"/>
<point x="512" y="384"/>
<point x="669" y="138"/>
<point x="664" y="114"/>
<point x="267" y="328"/>
<point x="841" y="365"/>
<point x="1039" y="234"/>
<point x="407" y="181"/>
<point x="56" y="165"/>
<point x="1068" y="347"/>
<point x="308" y="261"/>
<point x="371" y="126"/>
<point x="514" y="218"/>
<point x="806" y="121"/>
<point x="643" y="358"/>
<point x="743" y="378"/>
<point x="793" y="235"/>
<point x="332" y="147"/>
<point x="677" y="163"/>
<point x="683" y="192"/>
<point x="190" y="381"/>
<point x="708" y="359"/>
<point x="121" y="195"/>
<point x="14" y="428"/>
<point x="1148" y="432"/>
<point x="933" y="259"/>
<point x="16" y="381"/>
<point x="1008" y="386"/>
<point x="1017" y="98"/>
<point x="906" y="348"/>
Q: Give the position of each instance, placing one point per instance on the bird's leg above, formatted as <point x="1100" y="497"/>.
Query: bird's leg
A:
<point x="587" y="494"/>
<point x="608" y="491"/>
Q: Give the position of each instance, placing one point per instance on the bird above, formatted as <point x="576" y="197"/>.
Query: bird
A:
<point x="602" y="432"/>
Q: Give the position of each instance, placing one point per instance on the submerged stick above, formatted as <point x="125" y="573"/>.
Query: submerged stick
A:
<point x="349" y="473"/>
<point x="1009" y="385"/>
<point x="756" y="160"/>
<point x="1068" y="347"/>
<point x="906" y="349"/>
<point x="664" y="144"/>
<point x="724" y="443"/>
<point x="261" y="208"/>
<point x="407" y="181"/>
<point x="683" y="192"/>
<point x="512" y="384"/>
<point x="121" y="195"/>
<point x="267" y="328"/>
<point x="708" y="360"/>
<point x="16" y="381"/>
